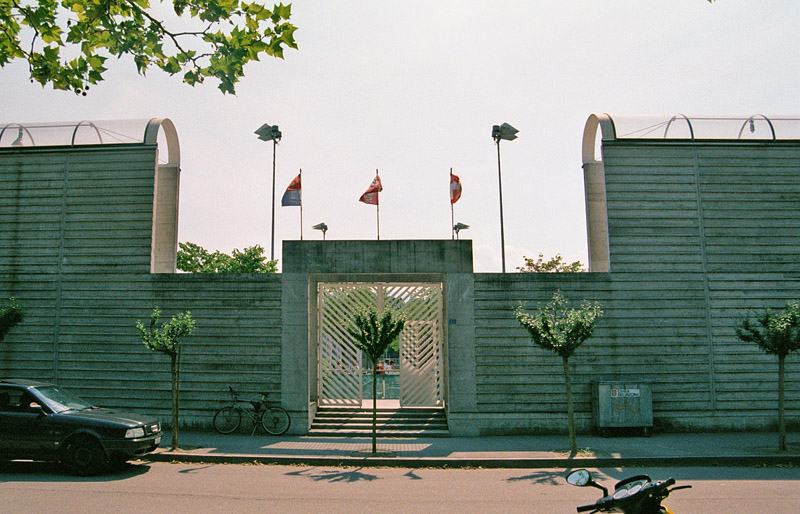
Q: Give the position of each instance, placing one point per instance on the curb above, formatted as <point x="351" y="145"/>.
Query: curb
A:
<point x="511" y="463"/>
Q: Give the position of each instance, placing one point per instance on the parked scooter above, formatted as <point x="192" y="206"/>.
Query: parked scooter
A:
<point x="635" y="495"/>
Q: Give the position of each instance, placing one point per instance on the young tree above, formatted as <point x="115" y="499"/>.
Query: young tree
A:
<point x="10" y="316"/>
<point x="373" y="332"/>
<point x="557" y="328"/>
<point x="166" y="340"/>
<point x="67" y="42"/>
<point x="776" y="333"/>
<point x="193" y="258"/>
<point x="553" y="265"/>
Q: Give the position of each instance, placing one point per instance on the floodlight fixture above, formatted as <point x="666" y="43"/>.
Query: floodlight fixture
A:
<point x="504" y="131"/>
<point x="323" y="227"/>
<point x="267" y="132"/>
<point x="459" y="226"/>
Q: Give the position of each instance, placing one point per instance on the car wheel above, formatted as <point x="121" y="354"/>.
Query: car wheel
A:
<point x="85" y="456"/>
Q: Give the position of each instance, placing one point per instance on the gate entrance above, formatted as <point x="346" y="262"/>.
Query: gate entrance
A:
<point x="340" y="371"/>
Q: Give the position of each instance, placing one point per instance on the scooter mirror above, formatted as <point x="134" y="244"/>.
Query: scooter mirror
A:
<point x="579" y="477"/>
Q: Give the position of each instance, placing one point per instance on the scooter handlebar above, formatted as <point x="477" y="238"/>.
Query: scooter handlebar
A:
<point x="584" y="508"/>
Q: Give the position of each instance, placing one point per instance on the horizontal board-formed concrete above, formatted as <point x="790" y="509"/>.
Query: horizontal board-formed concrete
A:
<point x="75" y="250"/>
<point x="700" y="234"/>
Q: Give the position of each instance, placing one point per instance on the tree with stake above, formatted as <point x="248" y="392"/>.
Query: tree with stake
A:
<point x="776" y="333"/>
<point x="373" y="333"/>
<point x="559" y="329"/>
<point x="9" y="316"/>
<point x="165" y="340"/>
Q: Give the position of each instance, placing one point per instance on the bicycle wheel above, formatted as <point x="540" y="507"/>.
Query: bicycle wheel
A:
<point x="275" y="421"/>
<point x="227" y="420"/>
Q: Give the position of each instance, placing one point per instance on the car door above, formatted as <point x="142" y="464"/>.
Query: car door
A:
<point x="26" y="432"/>
<point x="16" y="439"/>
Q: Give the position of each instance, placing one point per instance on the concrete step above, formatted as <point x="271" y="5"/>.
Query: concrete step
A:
<point x="381" y="433"/>
<point x="403" y="422"/>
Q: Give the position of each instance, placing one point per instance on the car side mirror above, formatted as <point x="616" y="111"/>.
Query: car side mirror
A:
<point x="35" y="408"/>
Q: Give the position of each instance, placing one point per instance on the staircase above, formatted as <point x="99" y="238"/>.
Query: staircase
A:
<point x="401" y="422"/>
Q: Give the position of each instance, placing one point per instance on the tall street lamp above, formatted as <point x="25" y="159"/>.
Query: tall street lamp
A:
<point x="509" y="133"/>
<point x="267" y="132"/>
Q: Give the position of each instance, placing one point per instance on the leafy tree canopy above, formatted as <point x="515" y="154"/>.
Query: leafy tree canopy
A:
<point x="557" y="327"/>
<point x="776" y="333"/>
<point x="373" y="332"/>
<point x="164" y="339"/>
<point x="66" y="42"/>
<point x="10" y="315"/>
<point x="553" y="265"/>
<point x="194" y="258"/>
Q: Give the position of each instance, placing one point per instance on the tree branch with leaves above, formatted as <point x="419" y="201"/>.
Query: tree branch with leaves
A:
<point x="193" y="258"/>
<point x="66" y="43"/>
<point x="555" y="264"/>
<point x="10" y="316"/>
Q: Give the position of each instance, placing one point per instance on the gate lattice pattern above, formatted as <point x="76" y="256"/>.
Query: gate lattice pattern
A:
<point x="340" y="371"/>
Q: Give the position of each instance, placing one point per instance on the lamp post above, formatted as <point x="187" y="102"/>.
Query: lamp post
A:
<point x="323" y="227"/>
<point x="267" y="132"/>
<point x="509" y="133"/>
<point x="458" y="227"/>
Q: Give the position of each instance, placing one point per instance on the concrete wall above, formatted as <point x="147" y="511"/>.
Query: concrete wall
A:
<point x="75" y="250"/>
<point x="698" y="235"/>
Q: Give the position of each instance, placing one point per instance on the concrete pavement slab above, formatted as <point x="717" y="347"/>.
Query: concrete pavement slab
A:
<point x="702" y="449"/>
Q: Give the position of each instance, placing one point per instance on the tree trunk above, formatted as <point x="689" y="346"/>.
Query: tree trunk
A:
<point x="573" y="444"/>
<point x="374" y="408"/>
<point x="175" y="365"/>
<point x="781" y="416"/>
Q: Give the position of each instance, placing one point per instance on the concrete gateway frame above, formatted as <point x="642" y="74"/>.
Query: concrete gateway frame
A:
<point x="310" y="263"/>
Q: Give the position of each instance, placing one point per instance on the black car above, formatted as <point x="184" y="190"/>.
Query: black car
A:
<point x="40" y="421"/>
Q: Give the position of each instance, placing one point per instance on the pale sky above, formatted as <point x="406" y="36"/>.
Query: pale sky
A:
<point x="412" y="88"/>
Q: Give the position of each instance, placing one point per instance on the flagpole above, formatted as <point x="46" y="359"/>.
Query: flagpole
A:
<point x="378" y="208"/>
<point x="452" y="217"/>
<point x="301" y="204"/>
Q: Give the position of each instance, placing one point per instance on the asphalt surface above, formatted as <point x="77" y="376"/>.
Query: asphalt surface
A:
<point x="701" y="449"/>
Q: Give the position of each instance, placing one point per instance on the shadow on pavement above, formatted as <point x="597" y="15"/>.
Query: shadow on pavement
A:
<point x="28" y="471"/>
<point x="334" y="475"/>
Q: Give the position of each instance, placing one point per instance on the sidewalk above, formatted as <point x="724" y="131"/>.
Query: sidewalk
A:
<point x="706" y="449"/>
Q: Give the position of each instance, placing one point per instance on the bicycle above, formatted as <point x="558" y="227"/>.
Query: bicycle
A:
<point x="275" y="420"/>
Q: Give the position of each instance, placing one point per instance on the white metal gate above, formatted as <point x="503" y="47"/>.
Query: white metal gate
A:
<point x="339" y="361"/>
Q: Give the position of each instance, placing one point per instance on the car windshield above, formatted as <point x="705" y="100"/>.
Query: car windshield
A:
<point x="60" y="400"/>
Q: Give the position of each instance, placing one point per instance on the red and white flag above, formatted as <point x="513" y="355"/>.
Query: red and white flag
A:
<point x="370" y="196"/>
<point x="293" y="194"/>
<point x="455" y="188"/>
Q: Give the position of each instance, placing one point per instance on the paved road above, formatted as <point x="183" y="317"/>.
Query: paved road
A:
<point x="201" y="488"/>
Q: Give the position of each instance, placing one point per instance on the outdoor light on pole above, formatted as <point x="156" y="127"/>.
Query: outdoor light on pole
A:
<point x="509" y="133"/>
<point x="323" y="227"/>
<point x="458" y="227"/>
<point x="267" y="132"/>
